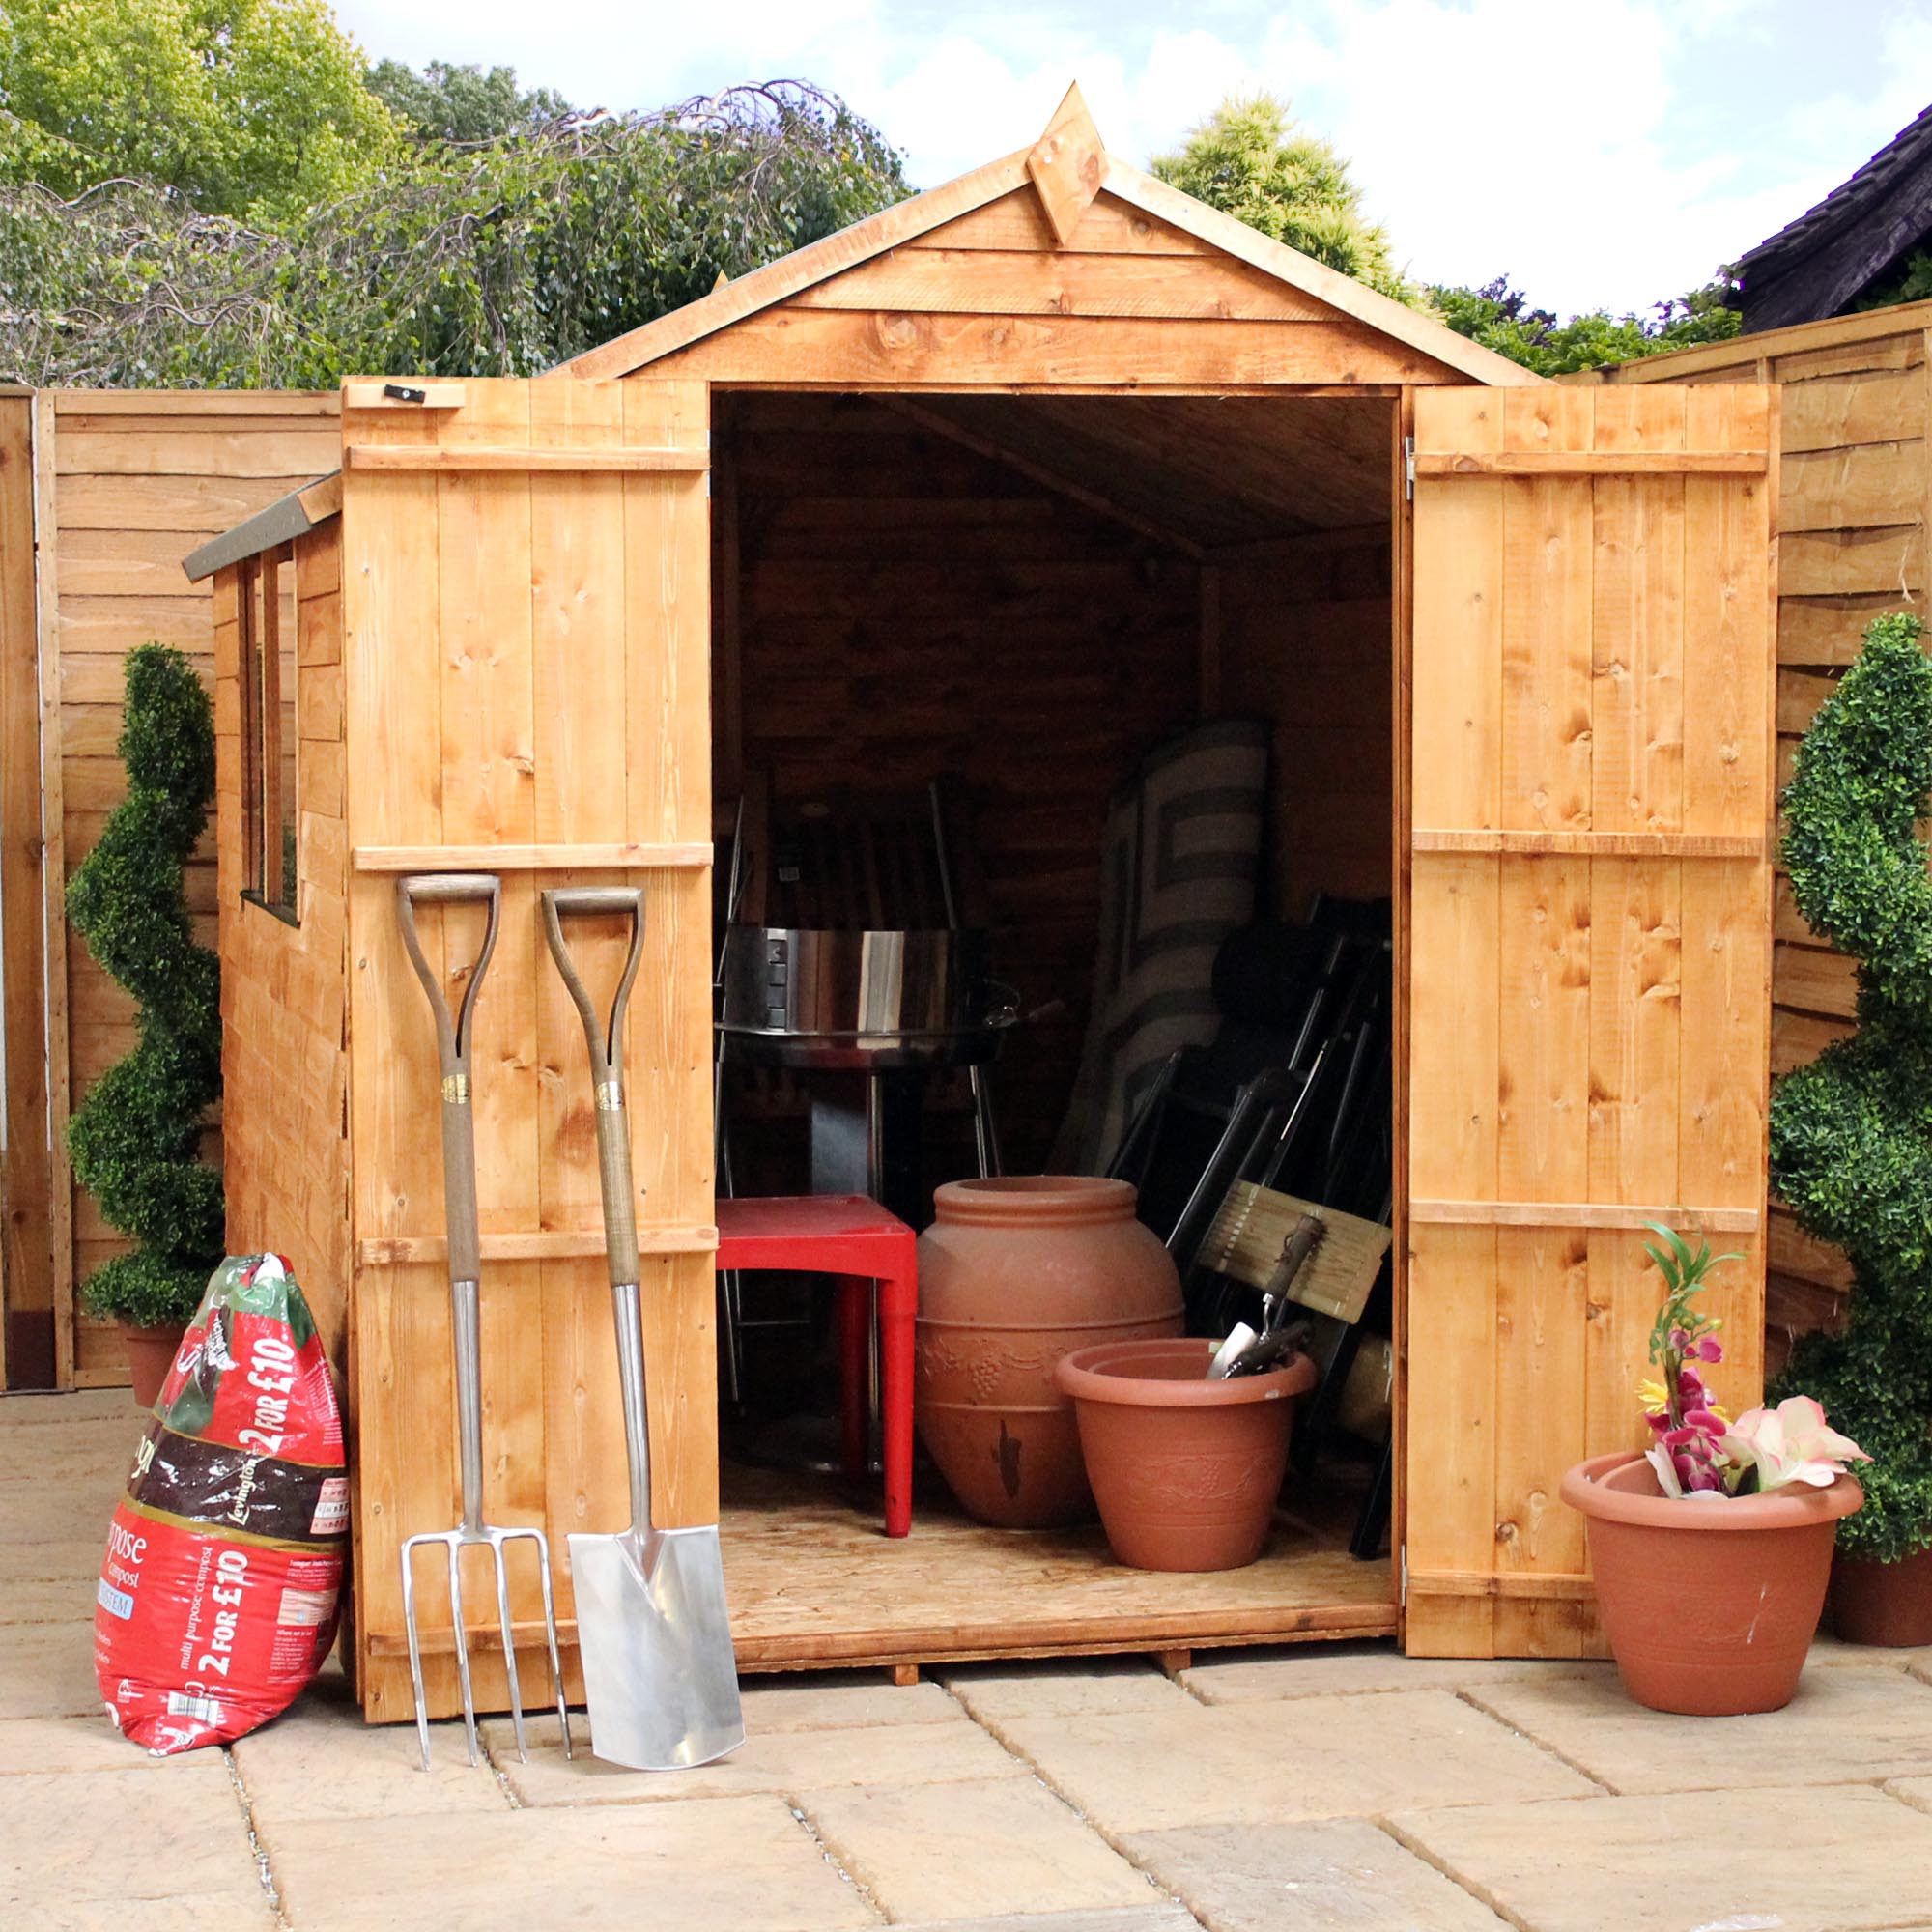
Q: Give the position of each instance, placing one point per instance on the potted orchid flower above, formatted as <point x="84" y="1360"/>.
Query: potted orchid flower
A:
<point x="1712" y="1548"/>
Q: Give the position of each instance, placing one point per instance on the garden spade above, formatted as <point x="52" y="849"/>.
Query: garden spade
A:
<point x="652" y="1630"/>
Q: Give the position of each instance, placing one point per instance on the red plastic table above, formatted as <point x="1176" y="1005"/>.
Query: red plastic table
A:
<point x="855" y="1239"/>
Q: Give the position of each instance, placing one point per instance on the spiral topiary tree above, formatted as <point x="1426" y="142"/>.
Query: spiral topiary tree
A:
<point x="1851" y="1134"/>
<point x="133" y="1139"/>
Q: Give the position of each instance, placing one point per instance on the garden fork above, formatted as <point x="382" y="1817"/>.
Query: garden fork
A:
<point x="453" y="1039"/>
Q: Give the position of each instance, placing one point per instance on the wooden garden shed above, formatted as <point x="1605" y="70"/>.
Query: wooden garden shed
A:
<point x="1008" y="479"/>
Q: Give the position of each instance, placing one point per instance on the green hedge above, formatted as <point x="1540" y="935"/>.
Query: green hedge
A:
<point x="1851" y="1134"/>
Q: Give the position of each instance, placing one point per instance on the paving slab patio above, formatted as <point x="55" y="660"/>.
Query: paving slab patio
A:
<point x="1339" y="1787"/>
<point x="124" y="1837"/>
<point x="1334" y="1875"/>
<point x="942" y="1851"/>
<point x="1313" y="1757"/>
<point x="1814" y="1859"/>
<point x="1844" y="1726"/>
<point x="722" y="1865"/>
<point x="952" y="1753"/>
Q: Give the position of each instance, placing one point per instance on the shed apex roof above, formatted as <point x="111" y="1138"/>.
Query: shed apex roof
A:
<point x="1068" y="167"/>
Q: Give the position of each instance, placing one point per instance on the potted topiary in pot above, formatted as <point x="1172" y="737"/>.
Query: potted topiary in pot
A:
<point x="134" y="1140"/>
<point x="1710" y="1550"/>
<point x="1851" y="1133"/>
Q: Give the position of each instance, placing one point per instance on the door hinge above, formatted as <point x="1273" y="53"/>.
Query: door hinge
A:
<point x="1408" y="468"/>
<point x="1403" y="1585"/>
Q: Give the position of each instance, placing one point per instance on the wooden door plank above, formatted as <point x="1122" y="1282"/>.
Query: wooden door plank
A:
<point x="1457" y="668"/>
<point x="1547" y="640"/>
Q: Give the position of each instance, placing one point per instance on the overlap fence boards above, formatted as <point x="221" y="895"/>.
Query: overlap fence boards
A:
<point x="528" y="659"/>
<point x="127" y="482"/>
<point x="27" y="1334"/>
<point x="1591" y="659"/>
<point x="1856" y="474"/>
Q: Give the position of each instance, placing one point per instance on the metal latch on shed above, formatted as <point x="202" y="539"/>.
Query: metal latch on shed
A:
<point x="1408" y="468"/>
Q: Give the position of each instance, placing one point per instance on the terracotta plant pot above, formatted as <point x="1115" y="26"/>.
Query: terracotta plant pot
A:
<point x="151" y="1355"/>
<point x="1709" y="1608"/>
<point x="1186" y="1471"/>
<point x="1013" y="1274"/>
<point x="1884" y="1604"/>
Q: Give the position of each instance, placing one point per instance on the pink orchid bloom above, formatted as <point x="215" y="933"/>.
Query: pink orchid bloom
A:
<point x="1792" y="1443"/>
<point x="1709" y="1350"/>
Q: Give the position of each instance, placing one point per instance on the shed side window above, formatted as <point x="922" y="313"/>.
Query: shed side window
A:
<point x="268" y="731"/>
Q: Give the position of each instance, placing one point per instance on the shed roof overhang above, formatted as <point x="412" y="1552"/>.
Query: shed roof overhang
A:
<point x="1068" y="167"/>
<point x="280" y="522"/>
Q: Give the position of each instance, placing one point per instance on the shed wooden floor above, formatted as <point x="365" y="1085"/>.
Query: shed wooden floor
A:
<point x="814" y="1584"/>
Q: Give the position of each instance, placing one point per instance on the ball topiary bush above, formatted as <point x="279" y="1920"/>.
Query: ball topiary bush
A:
<point x="1851" y="1134"/>
<point x="134" y="1139"/>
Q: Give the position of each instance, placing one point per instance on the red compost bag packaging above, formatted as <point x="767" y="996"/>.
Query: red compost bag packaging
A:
<point x="218" y="1592"/>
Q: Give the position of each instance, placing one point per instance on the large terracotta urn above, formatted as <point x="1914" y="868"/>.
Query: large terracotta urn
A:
<point x="1014" y="1273"/>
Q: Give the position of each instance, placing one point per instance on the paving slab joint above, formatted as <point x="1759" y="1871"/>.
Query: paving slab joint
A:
<point x="265" y="1872"/>
<point x="1549" y="1750"/>
<point x="1918" y="1801"/>
<point x="810" y="1826"/>
<point x="1116" y="1842"/>
<point x="1477" y="1890"/>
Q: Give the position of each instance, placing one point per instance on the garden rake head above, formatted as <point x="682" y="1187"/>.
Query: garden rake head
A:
<point x="453" y="1036"/>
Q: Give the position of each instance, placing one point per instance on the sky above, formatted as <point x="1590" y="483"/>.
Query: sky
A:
<point x="1599" y="152"/>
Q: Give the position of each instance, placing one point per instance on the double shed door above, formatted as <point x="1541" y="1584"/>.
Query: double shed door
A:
<point x="1589" y="949"/>
<point x="527" y="632"/>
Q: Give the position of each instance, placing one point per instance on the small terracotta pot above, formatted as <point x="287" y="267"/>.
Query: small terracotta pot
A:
<point x="1012" y="1274"/>
<point x="1884" y="1604"/>
<point x="151" y="1355"/>
<point x="1709" y="1606"/>
<point x="1186" y="1471"/>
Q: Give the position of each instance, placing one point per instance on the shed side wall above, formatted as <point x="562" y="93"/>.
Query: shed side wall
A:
<point x="1856" y="478"/>
<point x="284" y="989"/>
<point x="137" y="479"/>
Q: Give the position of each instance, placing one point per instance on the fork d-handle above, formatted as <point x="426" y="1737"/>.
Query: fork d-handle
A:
<point x="454" y="1041"/>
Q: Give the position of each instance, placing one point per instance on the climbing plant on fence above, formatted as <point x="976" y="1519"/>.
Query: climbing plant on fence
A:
<point x="1851" y="1134"/>
<point x="134" y="1139"/>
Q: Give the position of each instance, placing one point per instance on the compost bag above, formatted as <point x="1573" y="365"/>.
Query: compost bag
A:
<point x="218" y="1591"/>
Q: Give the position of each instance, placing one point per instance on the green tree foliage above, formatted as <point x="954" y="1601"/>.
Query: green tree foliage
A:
<point x="1251" y="159"/>
<point x="245" y="107"/>
<point x="497" y="260"/>
<point x="463" y="105"/>
<point x="1503" y="319"/>
<point x="1851" y="1134"/>
<point x="134" y="1139"/>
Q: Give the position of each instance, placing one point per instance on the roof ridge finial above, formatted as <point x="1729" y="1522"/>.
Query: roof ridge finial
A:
<point x="1067" y="164"/>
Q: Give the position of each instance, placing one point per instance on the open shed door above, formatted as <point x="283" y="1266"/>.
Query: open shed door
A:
<point x="1589" y="948"/>
<point x="527" y="636"/>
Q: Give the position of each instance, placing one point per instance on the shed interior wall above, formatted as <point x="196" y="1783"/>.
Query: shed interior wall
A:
<point x="911" y="606"/>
